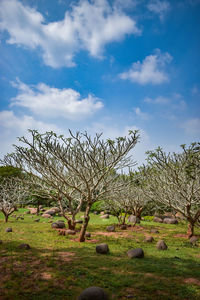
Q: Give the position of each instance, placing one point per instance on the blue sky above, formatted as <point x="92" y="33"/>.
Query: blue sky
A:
<point x="101" y="66"/>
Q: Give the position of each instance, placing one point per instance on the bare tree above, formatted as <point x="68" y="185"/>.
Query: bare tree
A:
<point x="11" y="194"/>
<point x="174" y="180"/>
<point x="126" y="197"/>
<point x="77" y="166"/>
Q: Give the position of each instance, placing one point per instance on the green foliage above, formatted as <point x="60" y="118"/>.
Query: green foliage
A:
<point x="97" y="206"/>
<point x="9" y="171"/>
<point x="148" y="218"/>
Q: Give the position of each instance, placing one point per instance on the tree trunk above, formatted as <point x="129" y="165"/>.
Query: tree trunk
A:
<point x="6" y="217"/>
<point x="85" y="224"/>
<point x="71" y="224"/>
<point x="124" y="219"/>
<point x="38" y="209"/>
<point x="190" y="231"/>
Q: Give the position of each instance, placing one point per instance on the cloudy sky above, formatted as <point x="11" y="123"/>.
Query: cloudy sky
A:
<point x="102" y="66"/>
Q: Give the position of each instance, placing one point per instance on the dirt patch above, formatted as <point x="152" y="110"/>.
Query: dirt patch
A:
<point x="65" y="256"/>
<point x="192" y="281"/>
<point x="181" y="235"/>
<point x="46" y="276"/>
<point x="93" y="241"/>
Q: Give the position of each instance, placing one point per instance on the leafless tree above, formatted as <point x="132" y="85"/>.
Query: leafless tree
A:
<point x="174" y="180"/>
<point x="126" y="197"/>
<point x="11" y="194"/>
<point x="77" y="166"/>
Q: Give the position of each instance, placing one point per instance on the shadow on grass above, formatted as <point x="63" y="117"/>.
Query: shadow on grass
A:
<point x="62" y="273"/>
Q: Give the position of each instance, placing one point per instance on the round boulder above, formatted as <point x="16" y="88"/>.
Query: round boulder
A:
<point x="51" y="212"/>
<point x="46" y="215"/>
<point x="170" y="221"/>
<point x="110" y="228"/>
<point x="93" y="293"/>
<point x="24" y="246"/>
<point x="161" y="245"/>
<point x="158" y="220"/>
<point x="58" y="225"/>
<point x="133" y="219"/>
<point x="9" y="229"/>
<point x="148" y="239"/>
<point x="135" y="253"/>
<point x="102" y="248"/>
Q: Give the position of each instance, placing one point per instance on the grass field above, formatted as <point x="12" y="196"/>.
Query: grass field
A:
<point x="58" y="267"/>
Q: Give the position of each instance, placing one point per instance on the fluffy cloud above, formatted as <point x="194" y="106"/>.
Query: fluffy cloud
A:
<point x="192" y="127"/>
<point x="13" y="126"/>
<point x="150" y="70"/>
<point x="158" y="7"/>
<point x="157" y="100"/>
<point x="88" y="26"/>
<point x="142" y="115"/>
<point x="52" y="102"/>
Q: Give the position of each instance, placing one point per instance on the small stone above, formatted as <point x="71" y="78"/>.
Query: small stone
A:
<point x="161" y="245"/>
<point x="102" y="213"/>
<point x="133" y="219"/>
<point x="9" y="229"/>
<point x="58" y="225"/>
<point x="24" y="246"/>
<point x="93" y="293"/>
<point x="135" y="253"/>
<point x="37" y="220"/>
<point x="102" y="248"/>
<point x="149" y="239"/>
<point x="170" y="221"/>
<point x="88" y="234"/>
<point x="194" y="239"/>
<point x="110" y="228"/>
<point x="70" y="232"/>
<point x="21" y="218"/>
<point x="154" y="230"/>
<point x="46" y="215"/>
<point x="158" y="220"/>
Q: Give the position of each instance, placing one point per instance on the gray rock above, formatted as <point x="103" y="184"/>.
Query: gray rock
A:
<point x="102" y="248"/>
<point x="170" y="221"/>
<point x="135" y="253"/>
<point x="9" y="229"/>
<point x="158" y="220"/>
<point x="154" y="230"/>
<point x="51" y="212"/>
<point x="46" y="215"/>
<point x="133" y="219"/>
<point x="58" y="225"/>
<point x="105" y="216"/>
<point x="37" y="220"/>
<point x="194" y="239"/>
<point x="88" y="234"/>
<point x="70" y="232"/>
<point x="149" y="239"/>
<point x="24" y="246"/>
<point x="93" y="293"/>
<point x="161" y="245"/>
<point x="110" y="228"/>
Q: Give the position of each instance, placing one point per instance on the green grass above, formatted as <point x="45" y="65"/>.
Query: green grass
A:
<point x="58" y="267"/>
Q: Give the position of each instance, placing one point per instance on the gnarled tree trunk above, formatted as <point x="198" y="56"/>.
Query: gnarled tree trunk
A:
<point x="85" y="224"/>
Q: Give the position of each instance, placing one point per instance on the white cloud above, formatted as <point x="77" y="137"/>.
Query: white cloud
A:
<point x="157" y="100"/>
<point x="192" y="126"/>
<point x="158" y="7"/>
<point x="140" y="114"/>
<point x="87" y="26"/>
<point x="53" y="102"/>
<point x="150" y="70"/>
<point x="13" y="126"/>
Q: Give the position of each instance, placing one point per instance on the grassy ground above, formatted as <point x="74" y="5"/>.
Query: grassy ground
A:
<point x="58" y="267"/>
